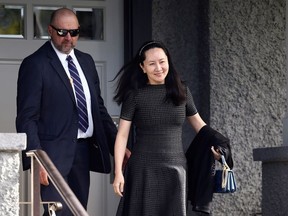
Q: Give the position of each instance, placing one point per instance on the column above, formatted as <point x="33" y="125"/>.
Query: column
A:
<point x="10" y="146"/>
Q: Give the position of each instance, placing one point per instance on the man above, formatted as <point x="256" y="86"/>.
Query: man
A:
<point x="62" y="114"/>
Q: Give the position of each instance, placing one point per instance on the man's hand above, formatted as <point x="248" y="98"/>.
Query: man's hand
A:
<point x="43" y="176"/>
<point x="126" y="158"/>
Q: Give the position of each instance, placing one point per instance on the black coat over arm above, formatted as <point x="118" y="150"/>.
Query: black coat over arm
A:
<point x="201" y="166"/>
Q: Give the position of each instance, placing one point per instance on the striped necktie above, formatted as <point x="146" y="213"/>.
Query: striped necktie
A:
<point x="80" y="96"/>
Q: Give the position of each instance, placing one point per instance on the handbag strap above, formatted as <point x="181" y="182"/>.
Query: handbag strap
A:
<point x="224" y="164"/>
<point x="225" y="171"/>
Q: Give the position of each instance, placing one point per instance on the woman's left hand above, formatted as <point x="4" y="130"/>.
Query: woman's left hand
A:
<point x="216" y="153"/>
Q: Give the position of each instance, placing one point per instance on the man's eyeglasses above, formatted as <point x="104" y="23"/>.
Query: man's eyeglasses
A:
<point x="64" y="32"/>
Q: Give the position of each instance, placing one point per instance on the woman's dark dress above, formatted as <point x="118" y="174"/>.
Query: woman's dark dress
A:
<point x="155" y="176"/>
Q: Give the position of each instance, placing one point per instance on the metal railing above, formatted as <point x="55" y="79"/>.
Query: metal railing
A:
<point x="40" y="158"/>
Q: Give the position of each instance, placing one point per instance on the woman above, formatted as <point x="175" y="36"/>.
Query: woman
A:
<point x="157" y="102"/>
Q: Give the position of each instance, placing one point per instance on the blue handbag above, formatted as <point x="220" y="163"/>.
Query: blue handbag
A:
<point x="224" y="179"/>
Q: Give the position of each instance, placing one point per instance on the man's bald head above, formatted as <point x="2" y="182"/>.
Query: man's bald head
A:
<point x="63" y="25"/>
<point x="62" y="12"/>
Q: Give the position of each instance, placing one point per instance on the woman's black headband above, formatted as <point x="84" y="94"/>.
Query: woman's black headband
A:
<point x="145" y="45"/>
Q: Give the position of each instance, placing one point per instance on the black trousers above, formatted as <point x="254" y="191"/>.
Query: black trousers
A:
<point x="78" y="180"/>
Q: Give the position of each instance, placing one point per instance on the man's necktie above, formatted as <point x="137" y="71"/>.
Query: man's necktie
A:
<point x="80" y="96"/>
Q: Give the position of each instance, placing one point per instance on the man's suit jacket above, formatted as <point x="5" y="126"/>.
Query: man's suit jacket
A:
<point x="47" y="112"/>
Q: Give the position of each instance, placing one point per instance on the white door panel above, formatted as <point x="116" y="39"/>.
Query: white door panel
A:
<point x="8" y="88"/>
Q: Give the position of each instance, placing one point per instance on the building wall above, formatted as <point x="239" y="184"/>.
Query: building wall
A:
<point x="246" y="79"/>
<point x="248" y="86"/>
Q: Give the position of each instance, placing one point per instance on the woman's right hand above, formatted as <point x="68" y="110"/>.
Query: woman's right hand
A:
<point x="118" y="184"/>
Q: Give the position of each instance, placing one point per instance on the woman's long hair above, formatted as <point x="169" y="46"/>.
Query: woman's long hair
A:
<point x="131" y="77"/>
